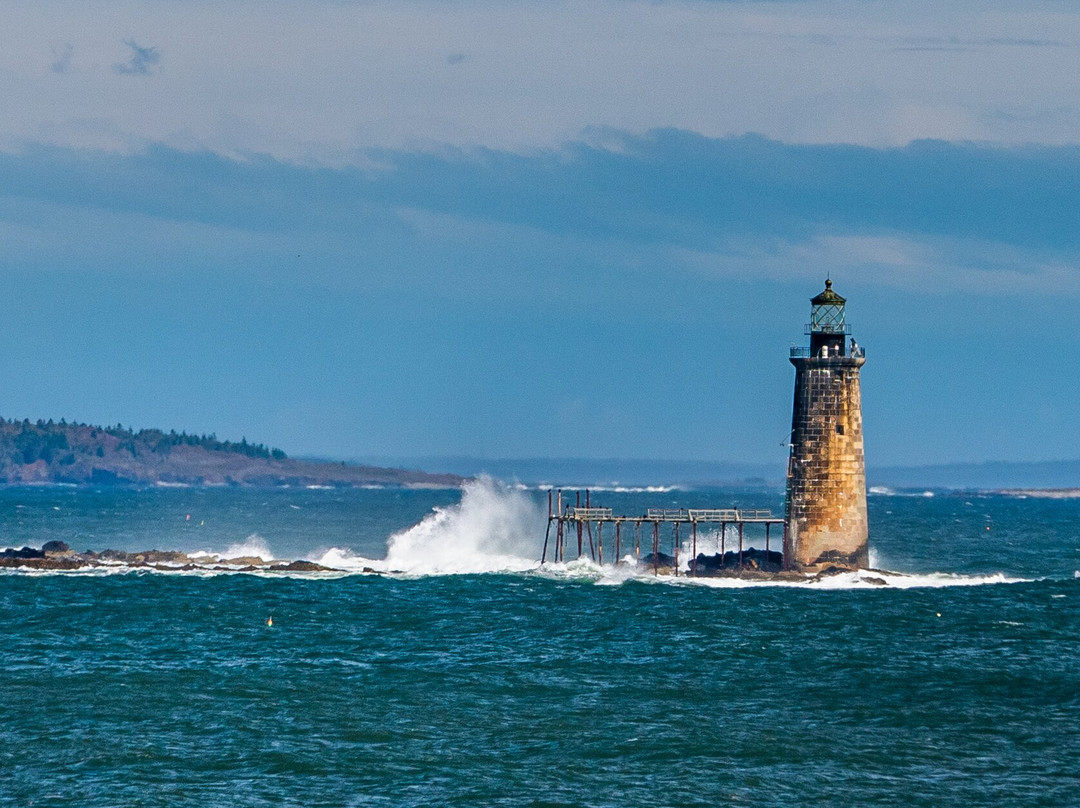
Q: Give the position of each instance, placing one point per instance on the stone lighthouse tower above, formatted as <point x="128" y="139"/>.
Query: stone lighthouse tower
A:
<point x="825" y="519"/>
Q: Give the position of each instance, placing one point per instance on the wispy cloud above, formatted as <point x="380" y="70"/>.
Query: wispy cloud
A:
<point x="524" y="75"/>
<point x="671" y="193"/>
<point x="955" y="43"/>
<point x="61" y="57"/>
<point x="1019" y="42"/>
<point x="141" y="61"/>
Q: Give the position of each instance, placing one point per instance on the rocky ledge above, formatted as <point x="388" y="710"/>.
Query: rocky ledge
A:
<point x="754" y="565"/>
<point x="57" y="555"/>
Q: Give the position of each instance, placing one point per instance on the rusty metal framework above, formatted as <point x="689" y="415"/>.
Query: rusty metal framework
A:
<point x="581" y="517"/>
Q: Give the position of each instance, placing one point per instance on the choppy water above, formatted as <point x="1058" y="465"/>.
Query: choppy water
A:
<point x="458" y="684"/>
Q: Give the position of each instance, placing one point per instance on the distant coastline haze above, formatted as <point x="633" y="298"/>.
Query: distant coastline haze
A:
<point x="625" y="472"/>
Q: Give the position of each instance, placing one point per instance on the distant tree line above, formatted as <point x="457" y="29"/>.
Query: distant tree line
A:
<point x="27" y="442"/>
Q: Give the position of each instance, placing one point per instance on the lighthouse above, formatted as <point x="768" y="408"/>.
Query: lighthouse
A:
<point x="825" y="514"/>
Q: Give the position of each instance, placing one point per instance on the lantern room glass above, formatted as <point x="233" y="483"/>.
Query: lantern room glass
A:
<point x="828" y="318"/>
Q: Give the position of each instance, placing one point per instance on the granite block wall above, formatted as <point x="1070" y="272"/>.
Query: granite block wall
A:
<point x="826" y="486"/>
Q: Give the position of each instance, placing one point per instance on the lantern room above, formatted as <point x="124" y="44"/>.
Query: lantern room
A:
<point x="828" y="327"/>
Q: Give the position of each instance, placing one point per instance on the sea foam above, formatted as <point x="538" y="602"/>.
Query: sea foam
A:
<point x="492" y="529"/>
<point x="498" y="528"/>
<point x="254" y="546"/>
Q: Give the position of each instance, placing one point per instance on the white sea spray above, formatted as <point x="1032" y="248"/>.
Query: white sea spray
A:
<point x="492" y="529"/>
<point x="254" y="546"/>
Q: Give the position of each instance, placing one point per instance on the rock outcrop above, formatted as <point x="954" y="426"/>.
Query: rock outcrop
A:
<point x="56" y="555"/>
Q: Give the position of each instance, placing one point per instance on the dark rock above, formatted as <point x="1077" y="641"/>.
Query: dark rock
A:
<point x="659" y="560"/>
<point x="40" y="563"/>
<point x="834" y="569"/>
<point x="244" y="561"/>
<point x="55" y="547"/>
<point x="25" y="552"/>
<point x="752" y="559"/>
<point x="300" y="566"/>
<point x="157" y="557"/>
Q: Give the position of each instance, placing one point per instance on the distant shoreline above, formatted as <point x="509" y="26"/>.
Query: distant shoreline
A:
<point x="599" y="490"/>
<point x="261" y="486"/>
<point x="1040" y="493"/>
<point x="72" y="454"/>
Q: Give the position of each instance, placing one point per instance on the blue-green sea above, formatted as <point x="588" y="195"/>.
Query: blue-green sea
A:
<point x="469" y="677"/>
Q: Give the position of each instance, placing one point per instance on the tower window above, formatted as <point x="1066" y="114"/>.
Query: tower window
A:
<point x="839" y="429"/>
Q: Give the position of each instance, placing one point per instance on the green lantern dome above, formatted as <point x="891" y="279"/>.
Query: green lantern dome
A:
<point x="828" y="297"/>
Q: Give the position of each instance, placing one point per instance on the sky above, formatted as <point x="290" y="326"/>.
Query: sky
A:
<point x="541" y="229"/>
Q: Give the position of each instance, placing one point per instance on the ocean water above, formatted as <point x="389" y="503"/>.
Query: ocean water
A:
<point x="469" y="677"/>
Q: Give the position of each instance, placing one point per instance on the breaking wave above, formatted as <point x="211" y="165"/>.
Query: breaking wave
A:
<point x="492" y="529"/>
<point x="885" y="491"/>
<point x="254" y="546"/>
<point x="499" y="528"/>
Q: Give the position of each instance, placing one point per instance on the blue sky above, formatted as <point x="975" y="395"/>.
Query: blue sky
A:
<point x="544" y="229"/>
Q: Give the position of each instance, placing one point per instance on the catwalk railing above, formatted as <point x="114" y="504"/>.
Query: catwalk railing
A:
<point x="661" y="524"/>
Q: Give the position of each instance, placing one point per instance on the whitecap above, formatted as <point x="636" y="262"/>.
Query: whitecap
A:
<point x="254" y="546"/>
